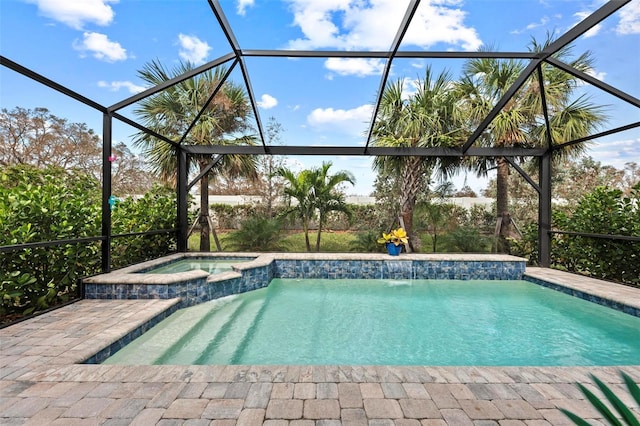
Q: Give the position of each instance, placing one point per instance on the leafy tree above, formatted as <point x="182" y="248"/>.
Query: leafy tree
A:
<point x="172" y="112"/>
<point x="575" y="179"/>
<point x="271" y="185"/>
<point x="39" y="138"/>
<point x="439" y="219"/>
<point x="465" y="191"/>
<point x="268" y="185"/>
<point x="129" y="172"/>
<point x="521" y="121"/>
<point x="386" y="190"/>
<point x="430" y="117"/>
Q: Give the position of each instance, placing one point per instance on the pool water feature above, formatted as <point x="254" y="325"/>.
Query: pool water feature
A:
<point x="210" y="265"/>
<point x="392" y="322"/>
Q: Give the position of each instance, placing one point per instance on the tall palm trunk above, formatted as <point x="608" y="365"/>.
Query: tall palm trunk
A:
<point x="412" y="181"/>
<point x="205" y="242"/>
<point x="205" y="229"/>
<point x="305" y="227"/>
<point x="320" y="222"/>
<point x="502" y="204"/>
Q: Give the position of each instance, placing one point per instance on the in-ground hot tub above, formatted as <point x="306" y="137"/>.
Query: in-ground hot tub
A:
<point x="207" y="264"/>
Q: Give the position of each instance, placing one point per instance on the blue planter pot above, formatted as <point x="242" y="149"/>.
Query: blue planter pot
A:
<point x="393" y="249"/>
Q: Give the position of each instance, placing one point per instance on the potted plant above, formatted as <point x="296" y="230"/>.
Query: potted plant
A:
<point x="394" y="241"/>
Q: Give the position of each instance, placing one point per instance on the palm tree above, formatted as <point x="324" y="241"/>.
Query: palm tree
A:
<point x="428" y="118"/>
<point x="298" y="187"/>
<point x="315" y="192"/>
<point x="521" y="121"/>
<point x="171" y="113"/>
<point x="326" y="196"/>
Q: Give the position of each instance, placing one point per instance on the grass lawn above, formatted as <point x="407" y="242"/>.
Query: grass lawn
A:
<point x="335" y="242"/>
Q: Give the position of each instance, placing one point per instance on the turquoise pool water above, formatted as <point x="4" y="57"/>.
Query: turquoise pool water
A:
<point x="209" y="265"/>
<point x="384" y="322"/>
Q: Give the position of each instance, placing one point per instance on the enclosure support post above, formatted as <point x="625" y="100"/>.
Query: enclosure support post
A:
<point x="106" y="192"/>
<point x="182" y="201"/>
<point x="544" y="211"/>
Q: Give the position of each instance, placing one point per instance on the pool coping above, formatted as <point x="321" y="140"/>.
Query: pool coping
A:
<point x="616" y="296"/>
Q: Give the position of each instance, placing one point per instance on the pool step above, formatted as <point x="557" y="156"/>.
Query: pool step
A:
<point x="223" y="349"/>
<point x="194" y="330"/>
<point x="152" y="344"/>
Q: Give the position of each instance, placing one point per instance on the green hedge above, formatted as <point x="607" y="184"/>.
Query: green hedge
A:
<point x="156" y="210"/>
<point x="232" y="217"/>
<point x="40" y="205"/>
<point x="603" y="211"/>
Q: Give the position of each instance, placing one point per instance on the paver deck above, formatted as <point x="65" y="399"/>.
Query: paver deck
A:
<point x="42" y="382"/>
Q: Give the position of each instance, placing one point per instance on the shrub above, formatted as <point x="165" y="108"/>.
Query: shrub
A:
<point x="256" y="234"/>
<point x="39" y="206"/>
<point x="603" y="211"/>
<point x="527" y="245"/>
<point x="466" y="239"/>
<point x="366" y="242"/>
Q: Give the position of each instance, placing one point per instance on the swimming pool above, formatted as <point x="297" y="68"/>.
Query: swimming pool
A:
<point x="392" y="322"/>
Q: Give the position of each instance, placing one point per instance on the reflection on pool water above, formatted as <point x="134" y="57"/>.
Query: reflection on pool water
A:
<point x="210" y="265"/>
<point x="392" y="322"/>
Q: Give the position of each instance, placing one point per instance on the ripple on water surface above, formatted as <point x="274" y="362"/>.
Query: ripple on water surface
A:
<point x="402" y="322"/>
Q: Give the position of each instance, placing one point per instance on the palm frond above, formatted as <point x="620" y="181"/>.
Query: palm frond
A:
<point x="624" y="413"/>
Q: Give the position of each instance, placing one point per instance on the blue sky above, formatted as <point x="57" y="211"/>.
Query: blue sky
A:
<point x="95" y="48"/>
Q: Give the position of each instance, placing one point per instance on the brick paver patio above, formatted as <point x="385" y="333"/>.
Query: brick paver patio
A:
<point x="42" y="383"/>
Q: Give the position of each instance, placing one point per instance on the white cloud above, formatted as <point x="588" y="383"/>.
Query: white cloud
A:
<point x="242" y="6"/>
<point x="100" y="47"/>
<point x="267" y="102"/>
<point x="436" y="23"/>
<point x="360" y="67"/>
<point x="600" y="75"/>
<point x="543" y="22"/>
<point x="594" y="30"/>
<point x="115" y="86"/>
<point x="76" y="13"/>
<point x="193" y="49"/>
<point x="616" y="152"/>
<point x="352" y="121"/>
<point x="353" y="24"/>
<point x="409" y="87"/>
<point x="629" y="19"/>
